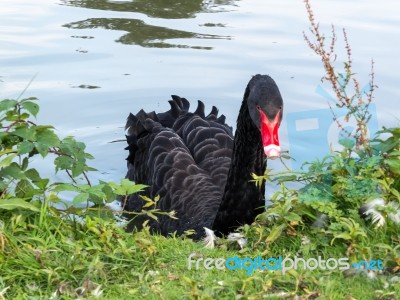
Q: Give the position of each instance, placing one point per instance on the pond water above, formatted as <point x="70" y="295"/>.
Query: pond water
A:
<point x="94" y="61"/>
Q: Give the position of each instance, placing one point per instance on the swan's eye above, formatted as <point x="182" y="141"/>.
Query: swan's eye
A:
<point x="258" y="107"/>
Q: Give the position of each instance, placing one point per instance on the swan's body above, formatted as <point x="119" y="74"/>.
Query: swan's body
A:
<point x="197" y="167"/>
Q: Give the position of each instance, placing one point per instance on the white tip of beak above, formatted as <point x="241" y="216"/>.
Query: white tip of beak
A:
<point x="272" y="151"/>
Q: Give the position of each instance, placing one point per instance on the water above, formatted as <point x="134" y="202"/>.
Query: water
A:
<point x="93" y="62"/>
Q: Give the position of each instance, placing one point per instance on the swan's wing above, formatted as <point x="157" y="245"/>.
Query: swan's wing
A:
<point x="184" y="157"/>
<point x="209" y="140"/>
<point x="163" y="161"/>
<point x="210" y="147"/>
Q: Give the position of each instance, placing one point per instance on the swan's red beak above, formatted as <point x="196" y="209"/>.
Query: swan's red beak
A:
<point x="269" y="134"/>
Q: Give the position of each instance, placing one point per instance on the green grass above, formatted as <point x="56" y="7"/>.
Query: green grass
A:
<point x="46" y="254"/>
<point x="62" y="259"/>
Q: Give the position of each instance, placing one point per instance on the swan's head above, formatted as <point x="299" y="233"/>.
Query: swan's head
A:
<point x="266" y="108"/>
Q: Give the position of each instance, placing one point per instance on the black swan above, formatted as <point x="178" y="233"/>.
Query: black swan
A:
<point x="196" y="166"/>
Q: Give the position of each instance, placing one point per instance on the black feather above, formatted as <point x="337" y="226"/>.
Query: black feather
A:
<point x="196" y="166"/>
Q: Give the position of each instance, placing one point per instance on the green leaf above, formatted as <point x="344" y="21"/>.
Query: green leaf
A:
<point x="31" y="107"/>
<point x="149" y="203"/>
<point x="286" y="156"/>
<point x="13" y="170"/>
<point x="7" y="151"/>
<point x="347" y="143"/>
<point x="387" y="145"/>
<point x="80" y="198"/>
<point x="63" y="162"/>
<point x="344" y="236"/>
<point x="24" y="189"/>
<point x="7" y="104"/>
<point x="27" y="133"/>
<point x="117" y="189"/>
<point x="383" y="246"/>
<point x="71" y="147"/>
<point x="41" y="184"/>
<point x="96" y="200"/>
<point x="25" y="163"/>
<point x="53" y="198"/>
<point x="275" y="233"/>
<point x="96" y="191"/>
<point x="104" y="213"/>
<point x="130" y="187"/>
<point x="84" y="187"/>
<point x="126" y="187"/>
<point x="47" y="137"/>
<point x="66" y="145"/>
<point x="17" y="203"/>
<point x="78" y="169"/>
<point x="45" y="140"/>
<point x="292" y="217"/>
<point x="136" y="188"/>
<point x="394" y="153"/>
<point x="7" y="160"/>
<point x="3" y="187"/>
<point x="25" y="147"/>
<point x="11" y="116"/>
<point x="89" y="156"/>
<point x="395" y="193"/>
<point x="65" y="187"/>
<point x="24" y="116"/>
<point x="284" y="178"/>
<point x="34" y="176"/>
<point x="394" y="165"/>
<point x="29" y="99"/>
<point x="109" y="194"/>
<point x="42" y="149"/>
<point x="151" y="215"/>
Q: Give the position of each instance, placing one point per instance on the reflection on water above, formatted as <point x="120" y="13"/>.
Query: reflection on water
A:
<point x="71" y="45"/>
<point x="164" y="9"/>
<point x="145" y="35"/>
<point x="142" y="34"/>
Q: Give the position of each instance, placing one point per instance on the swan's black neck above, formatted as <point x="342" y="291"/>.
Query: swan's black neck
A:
<point x="242" y="200"/>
